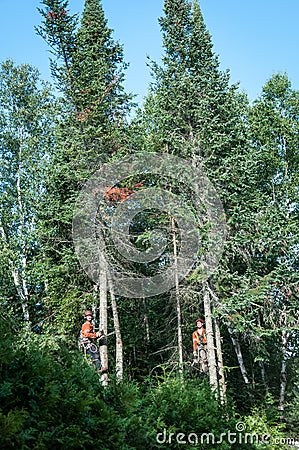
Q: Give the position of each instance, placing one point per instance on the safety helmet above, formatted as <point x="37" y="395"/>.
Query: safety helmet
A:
<point x="88" y="313"/>
<point x="199" y="320"/>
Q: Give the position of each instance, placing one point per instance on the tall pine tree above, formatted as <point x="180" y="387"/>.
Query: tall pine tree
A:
<point x="194" y="112"/>
<point x="88" y="71"/>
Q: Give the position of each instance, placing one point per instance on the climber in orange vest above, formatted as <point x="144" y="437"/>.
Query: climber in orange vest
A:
<point x="87" y="340"/>
<point x="200" y="346"/>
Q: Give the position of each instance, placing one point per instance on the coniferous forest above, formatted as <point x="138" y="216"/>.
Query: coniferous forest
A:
<point x="243" y="280"/>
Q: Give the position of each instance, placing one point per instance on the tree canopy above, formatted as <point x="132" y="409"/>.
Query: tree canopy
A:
<point x="56" y="141"/>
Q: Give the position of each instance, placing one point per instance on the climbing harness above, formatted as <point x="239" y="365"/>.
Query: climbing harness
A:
<point x="89" y="348"/>
<point x="85" y="344"/>
<point x="201" y="358"/>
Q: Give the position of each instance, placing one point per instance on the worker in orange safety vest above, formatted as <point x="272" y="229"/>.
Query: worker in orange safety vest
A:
<point x="87" y="340"/>
<point x="199" y="340"/>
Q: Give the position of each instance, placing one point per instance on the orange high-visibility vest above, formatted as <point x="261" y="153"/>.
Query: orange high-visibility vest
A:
<point x="88" y="331"/>
<point x="199" y="337"/>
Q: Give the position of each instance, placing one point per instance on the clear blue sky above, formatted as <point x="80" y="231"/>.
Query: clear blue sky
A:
<point x="253" y="38"/>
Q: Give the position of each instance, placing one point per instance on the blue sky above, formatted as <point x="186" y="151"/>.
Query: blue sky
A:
<point x="254" y="39"/>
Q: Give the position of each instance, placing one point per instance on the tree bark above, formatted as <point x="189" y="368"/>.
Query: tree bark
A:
<point x="239" y="355"/>
<point x="22" y="282"/>
<point x="283" y="373"/>
<point x="210" y="339"/>
<point x="23" y="296"/>
<point x="119" y="360"/>
<point x="177" y="297"/>
<point x="103" y="320"/>
<point x="146" y="324"/>
<point x="263" y="375"/>
<point x="222" y="385"/>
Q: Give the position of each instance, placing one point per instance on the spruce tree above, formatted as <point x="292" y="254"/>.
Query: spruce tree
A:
<point x="191" y="108"/>
<point x="98" y="69"/>
<point x="58" y="30"/>
<point x="194" y="112"/>
<point x="90" y="129"/>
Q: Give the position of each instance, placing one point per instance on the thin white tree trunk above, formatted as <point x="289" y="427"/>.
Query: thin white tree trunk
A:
<point x="146" y="324"/>
<point x="178" y="303"/>
<point x="210" y="339"/>
<point x="261" y="363"/>
<point x="220" y="364"/>
<point x="94" y="303"/>
<point x="283" y="373"/>
<point x="263" y="375"/>
<point x="119" y="360"/>
<point x="17" y="283"/>
<point x="239" y="355"/>
<point x="103" y="320"/>
<point x="222" y="384"/>
<point x="23" y="283"/>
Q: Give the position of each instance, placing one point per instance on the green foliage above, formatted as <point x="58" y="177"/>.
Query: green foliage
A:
<point x="26" y="110"/>
<point x="292" y="416"/>
<point x="259" y="424"/>
<point x="251" y="155"/>
<point x="50" y="397"/>
<point x="258" y="278"/>
<point x="89" y="72"/>
<point x="187" y="407"/>
<point x="57" y="29"/>
<point x="191" y="109"/>
<point x="93" y="108"/>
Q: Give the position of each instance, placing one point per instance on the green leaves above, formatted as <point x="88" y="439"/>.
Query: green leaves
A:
<point x="26" y="108"/>
<point x="49" y="397"/>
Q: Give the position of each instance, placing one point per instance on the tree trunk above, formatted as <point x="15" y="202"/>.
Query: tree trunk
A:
<point x="210" y="339"/>
<point x="103" y="320"/>
<point x="178" y="303"/>
<point x="94" y="308"/>
<point x="222" y="385"/>
<point x="22" y="233"/>
<point x="239" y="355"/>
<point x="283" y="374"/>
<point x="119" y="360"/>
<point x="23" y="295"/>
<point x="263" y="375"/>
<point x="146" y="324"/>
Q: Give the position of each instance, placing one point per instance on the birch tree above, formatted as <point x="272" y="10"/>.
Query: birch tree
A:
<point x="26" y="122"/>
<point x="259" y="275"/>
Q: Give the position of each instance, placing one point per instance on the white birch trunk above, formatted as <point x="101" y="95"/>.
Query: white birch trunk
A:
<point x="283" y="373"/>
<point x="146" y="324"/>
<point x="210" y="339"/>
<point x="178" y="303"/>
<point x="240" y="359"/>
<point x="119" y="360"/>
<point x="222" y="385"/>
<point x="23" y="296"/>
<point x="22" y="282"/>
<point x="103" y="320"/>
<point x="263" y="374"/>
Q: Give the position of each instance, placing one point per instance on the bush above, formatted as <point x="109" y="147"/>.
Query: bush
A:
<point x="50" y="398"/>
<point x="189" y="408"/>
